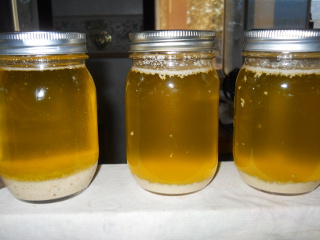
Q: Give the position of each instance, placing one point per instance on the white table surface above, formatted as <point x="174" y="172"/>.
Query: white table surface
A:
<point x="115" y="207"/>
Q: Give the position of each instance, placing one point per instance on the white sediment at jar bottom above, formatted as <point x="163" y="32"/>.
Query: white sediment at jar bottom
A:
<point x="172" y="189"/>
<point x="279" y="188"/>
<point x="49" y="190"/>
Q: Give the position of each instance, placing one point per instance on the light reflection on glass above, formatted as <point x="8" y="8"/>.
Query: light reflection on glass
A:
<point x="42" y="66"/>
<point x="170" y="85"/>
<point x="284" y="85"/>
<point x="40" y="93"/>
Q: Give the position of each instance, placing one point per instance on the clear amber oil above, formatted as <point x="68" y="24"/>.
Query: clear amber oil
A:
<point x="172" y="125"/>
<point x="277" y="131"/>
<point x="48" y="120"/>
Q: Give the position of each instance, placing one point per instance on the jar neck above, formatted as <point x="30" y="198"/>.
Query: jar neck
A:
<point x="173" y="60"/>
<point x="286" y="61"/>
<point x="42" y="61"/>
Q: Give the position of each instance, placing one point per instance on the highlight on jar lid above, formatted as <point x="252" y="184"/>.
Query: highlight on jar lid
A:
<point x="307" y="40"/>
<point x="38" y="42"/>
<point x="172" y="40"/>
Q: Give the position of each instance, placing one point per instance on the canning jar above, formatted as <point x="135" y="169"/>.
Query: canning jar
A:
<point x="276" y="124"/>
<point x="172" y="110"/>
<point x="48" y="119"/>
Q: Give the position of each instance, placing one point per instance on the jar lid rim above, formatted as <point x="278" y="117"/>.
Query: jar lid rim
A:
<point x="42" y="42"/>
<point x="282" y="40"/>
<point x="171" y="40"/>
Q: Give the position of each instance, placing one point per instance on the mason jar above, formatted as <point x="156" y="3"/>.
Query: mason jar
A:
<point x="276" y="124"/>
<point x="48" y="115"/>
<point x="171" y="98"/>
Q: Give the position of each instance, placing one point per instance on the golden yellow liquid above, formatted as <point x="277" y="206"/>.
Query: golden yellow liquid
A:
<point x="277" y="131"/>
<point x="172" y="125"/>
<point x="48" y="123"/>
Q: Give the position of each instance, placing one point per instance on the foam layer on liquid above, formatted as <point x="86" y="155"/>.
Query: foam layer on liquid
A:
<point x="283" y="72"/>
<point x="49" y="190"/>
<point x="163" y="74"/>
<point x="277" y="187"/>
<point x="42" y="68"/>
<point x="172" y="189"/>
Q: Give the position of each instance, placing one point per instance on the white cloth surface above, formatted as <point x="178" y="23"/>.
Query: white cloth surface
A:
<point x="115" y="207"/>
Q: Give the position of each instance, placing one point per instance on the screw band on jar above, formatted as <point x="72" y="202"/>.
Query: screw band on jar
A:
<point x="282" y="40"/>
<point x="171" y="40"/>
<point x="33" y="43"/>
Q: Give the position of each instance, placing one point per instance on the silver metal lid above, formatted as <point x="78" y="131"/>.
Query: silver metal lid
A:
<point x="171" y="40"/>
<point x="34" y="43"/>
<point x="282" y="40"/>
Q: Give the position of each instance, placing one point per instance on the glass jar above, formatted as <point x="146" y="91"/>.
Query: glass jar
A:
<point x="172" y="111"/>
<point x="48" y="119"/>
<point x="276" y="124"/>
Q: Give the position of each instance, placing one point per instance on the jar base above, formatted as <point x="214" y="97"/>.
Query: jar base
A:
<point x="53" y="200"/>
<point x="172" y="189"/>
<point x="51" y="190"/>
<point x="275" y="188"/>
